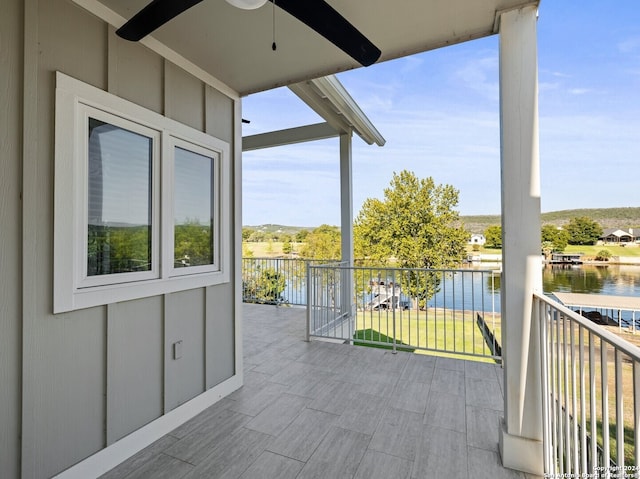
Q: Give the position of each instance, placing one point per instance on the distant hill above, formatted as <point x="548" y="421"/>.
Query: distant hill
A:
<point x="275" y="228"/>
<point x="628" y="217"/>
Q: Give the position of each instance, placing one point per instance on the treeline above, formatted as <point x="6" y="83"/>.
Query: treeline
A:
<point x="627" y="217"/>
<point x="580" y="230"/>
<point x="252" y="235"/>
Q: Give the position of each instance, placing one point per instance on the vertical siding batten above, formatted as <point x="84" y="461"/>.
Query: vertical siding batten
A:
<point x="236" y="225"/>
<point x="29" y="227"/>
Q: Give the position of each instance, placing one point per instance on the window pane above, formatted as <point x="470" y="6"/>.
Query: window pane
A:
<point x="193" y="209"/>
<point x="119" y="216"/>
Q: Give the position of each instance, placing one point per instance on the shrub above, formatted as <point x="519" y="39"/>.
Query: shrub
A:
<point x="603" y="255"/>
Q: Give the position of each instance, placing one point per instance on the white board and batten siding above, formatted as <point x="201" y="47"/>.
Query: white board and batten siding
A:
<point x="77" y="382"/>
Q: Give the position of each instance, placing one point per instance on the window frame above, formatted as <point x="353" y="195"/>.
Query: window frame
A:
<point x="173" y="143"/>
<point x="81" y="223"/>
<point x="72" y="289"/>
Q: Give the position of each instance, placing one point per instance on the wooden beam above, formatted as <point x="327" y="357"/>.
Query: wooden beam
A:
<point x="318" y="131"/>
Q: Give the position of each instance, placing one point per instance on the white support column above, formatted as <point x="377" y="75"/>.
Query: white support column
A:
<point x="346" y="218"/>
<point x="521" y="433"/>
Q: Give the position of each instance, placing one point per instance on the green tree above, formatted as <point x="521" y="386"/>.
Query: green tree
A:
<point x="416" y="225"/>
<point x="583" y="231"/>
<point x="493" y="235"/>
<point x="246" y="251"/>
<point x="557" y="237"/>
<point x="287" y="248"/>
<point x="265" y="287"/>
<point x="547" y="249"/>
<point x="301" y="236"/>
<point x="256" y="236"/>
<point x="193" y="244"/>
<point x="246" y="233"/>
<point x="322" y="243"/>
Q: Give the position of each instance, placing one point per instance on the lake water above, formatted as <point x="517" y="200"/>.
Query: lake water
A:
<point x="617" y="280"/>
<point x="473" y="289"/>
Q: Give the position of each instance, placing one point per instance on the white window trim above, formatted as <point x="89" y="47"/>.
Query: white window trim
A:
<point x="72" y="98"/>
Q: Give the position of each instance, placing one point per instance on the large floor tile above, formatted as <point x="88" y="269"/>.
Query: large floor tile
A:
<point x="199" y="443"/>
<point x="485" y="464"/>
<point x="378" y="465"/>
<point x="448" y="381"/>
<point x="483" y="393"/>
<point x="273" y="466"/>
<point x="410" y="396"/>
<point x="483" y="428"/>
<point x="446" y="411"/>
<point x="441" y="453"/>
<point x="301" y="438"/>
<point x="398" y="433"/>
<point x="231" y="456"/>
<point x="276" y="418"/>
<point x="140" y="459"/>
<point x="338" y="456"/>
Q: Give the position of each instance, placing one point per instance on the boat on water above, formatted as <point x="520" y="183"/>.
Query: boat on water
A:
<point x="565" y="258"/>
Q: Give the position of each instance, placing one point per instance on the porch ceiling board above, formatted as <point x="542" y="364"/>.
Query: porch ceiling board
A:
<point x="234" y="45"/>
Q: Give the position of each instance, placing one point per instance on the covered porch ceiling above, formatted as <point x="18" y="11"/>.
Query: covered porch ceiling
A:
<point x="234" y="45"/>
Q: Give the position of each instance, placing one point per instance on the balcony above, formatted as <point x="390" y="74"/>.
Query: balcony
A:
<point x="325" y="409"/>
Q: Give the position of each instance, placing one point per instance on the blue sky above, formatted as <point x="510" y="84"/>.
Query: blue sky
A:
<point x="438" y="112"/>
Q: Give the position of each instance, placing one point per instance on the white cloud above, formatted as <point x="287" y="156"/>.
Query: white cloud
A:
<point x="481" y="75"/>
<point x="630" y="45"/>
<point x="548" y="86"/>
<point x="579" y="91"/>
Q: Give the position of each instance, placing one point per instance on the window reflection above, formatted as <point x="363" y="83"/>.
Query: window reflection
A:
<point x="119" y="200"/>
<point x="193" y="209"/>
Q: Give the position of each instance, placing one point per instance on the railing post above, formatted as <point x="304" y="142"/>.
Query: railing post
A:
<point x="393" y="308"/>
<point x="309" y="300"/>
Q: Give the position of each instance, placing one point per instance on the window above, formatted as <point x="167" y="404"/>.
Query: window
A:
<point x="141" y="201"/>
<point x="194" y="209"/>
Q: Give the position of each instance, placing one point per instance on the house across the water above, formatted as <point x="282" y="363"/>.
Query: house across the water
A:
<point x="616" y="235"/>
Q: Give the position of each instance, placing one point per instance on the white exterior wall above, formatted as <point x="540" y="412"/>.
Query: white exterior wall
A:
<point x="77" y="382"/>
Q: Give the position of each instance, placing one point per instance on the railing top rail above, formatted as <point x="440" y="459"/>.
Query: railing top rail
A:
<point x="330" y="264"/>
<point x="619" y="343"/>
<point x="287" y="258"/>
<point x="393" y="268"/>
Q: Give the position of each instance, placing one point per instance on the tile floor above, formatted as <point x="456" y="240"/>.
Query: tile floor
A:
<point x="327" y="410"/>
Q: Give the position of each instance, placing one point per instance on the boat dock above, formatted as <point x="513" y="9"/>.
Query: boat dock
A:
<point x="604" y="309"/>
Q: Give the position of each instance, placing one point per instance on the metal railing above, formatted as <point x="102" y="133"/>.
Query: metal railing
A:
<point x="275" y="280"/>
<point x="448" y="311"/>
<point x="591" y="396"/>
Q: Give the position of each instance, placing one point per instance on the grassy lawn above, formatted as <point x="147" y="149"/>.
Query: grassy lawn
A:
<point x="267" y="249"/>
<point x="483" y="250"/>
<point x="366" y="335"/>
<point x="588" y="251"/>
<point x="591" y="251"/>
<point x="444" y="332"/>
